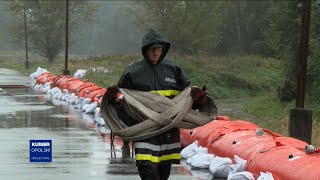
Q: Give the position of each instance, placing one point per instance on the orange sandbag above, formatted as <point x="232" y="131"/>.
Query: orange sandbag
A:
<point x="67" y="81"/>
<point x="98" y="97"/>
<point x="245" y="144"/>
<point x="91" y="92"/>
<point x="233" y="126"/>
<point x="202" y="133"/>
<point x="185" y="137"/>
<point x="85" y="92"/>
<point x="83" y="86"/>
<point x="61" y="79"/>
<point x="292" y="142"/>
<point x="51" y="79"/>
<point x="45" y="78"/>
<point x="286" y="162"/>
<point x="74" y="86"/>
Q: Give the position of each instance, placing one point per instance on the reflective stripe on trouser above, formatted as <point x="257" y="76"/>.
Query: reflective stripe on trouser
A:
<point x="157" y="153"/>
<point x="156" y="159"/>
<point x="153" y="147"/>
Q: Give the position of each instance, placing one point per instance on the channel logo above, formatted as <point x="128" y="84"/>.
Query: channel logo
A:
<point x="40" y="150"/>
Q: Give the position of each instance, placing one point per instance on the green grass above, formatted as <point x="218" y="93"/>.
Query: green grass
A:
<point x="226" y="77"/>
<point x="230" y="77"/>
<point x="268" y="112"/>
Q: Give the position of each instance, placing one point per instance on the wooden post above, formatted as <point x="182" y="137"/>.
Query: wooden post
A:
<point x="25" y="36"/>
<point x="300" y="124"/>
<point x="66" y="71"/>
<point x="300" y="119"/>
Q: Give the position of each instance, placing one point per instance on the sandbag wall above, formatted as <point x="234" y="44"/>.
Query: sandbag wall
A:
<point x="74" y="85"/>
<point x="265" y="151"/>
<point x="84" y="95"/>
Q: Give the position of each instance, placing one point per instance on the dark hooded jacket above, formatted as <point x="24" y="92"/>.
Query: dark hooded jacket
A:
<point x="165" y="78"/>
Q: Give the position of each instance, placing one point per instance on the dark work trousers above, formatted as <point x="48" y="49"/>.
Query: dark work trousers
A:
<point x="161" y="172"/>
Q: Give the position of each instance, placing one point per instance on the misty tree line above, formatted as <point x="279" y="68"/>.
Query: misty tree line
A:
<point x="266" y="28"/>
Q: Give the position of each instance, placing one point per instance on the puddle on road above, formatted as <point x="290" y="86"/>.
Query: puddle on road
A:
<point x="9" y="105"/>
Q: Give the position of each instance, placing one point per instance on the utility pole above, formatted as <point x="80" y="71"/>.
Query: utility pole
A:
<point x="25" y="36"/>
<point x="300" y="119"/>
<point x="66" y="71"/>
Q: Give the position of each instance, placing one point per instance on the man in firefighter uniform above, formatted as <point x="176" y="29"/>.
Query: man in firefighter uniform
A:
<point x="157" y="74"/>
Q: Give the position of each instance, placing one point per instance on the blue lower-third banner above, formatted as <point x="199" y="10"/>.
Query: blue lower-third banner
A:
<point x="40" y="150"/>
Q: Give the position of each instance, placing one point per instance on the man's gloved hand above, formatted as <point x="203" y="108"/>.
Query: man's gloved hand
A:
<point x="114" y="94"/>
<point x="199" y="95"/>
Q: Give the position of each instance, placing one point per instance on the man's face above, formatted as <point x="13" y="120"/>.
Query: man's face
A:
<point x="154" y="54"/>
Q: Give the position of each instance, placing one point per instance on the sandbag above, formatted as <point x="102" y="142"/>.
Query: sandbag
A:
<point x="265" y="176"/>
<point x="90" y="109"/>
<point x="185" y="137"/>
<point x="245" y="144"/>
<point x="220" y="167"/>
<point x="286" y="162"/>
<point x="202" y="161"/>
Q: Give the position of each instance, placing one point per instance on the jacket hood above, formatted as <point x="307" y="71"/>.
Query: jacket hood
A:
<point x="154" y="37"/>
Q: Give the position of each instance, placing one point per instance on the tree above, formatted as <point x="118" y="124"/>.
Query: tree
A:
<point x="314" y="58"/>
<point x="46" y="23"/>
<point x="190" y="25"/>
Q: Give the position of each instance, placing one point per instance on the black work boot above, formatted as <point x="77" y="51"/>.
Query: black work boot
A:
<point x="125" y="150"/>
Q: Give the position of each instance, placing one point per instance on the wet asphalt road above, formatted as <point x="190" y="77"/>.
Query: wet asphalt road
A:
<point x="80" y="148"/>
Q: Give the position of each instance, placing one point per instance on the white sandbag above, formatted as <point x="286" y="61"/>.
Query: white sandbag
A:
<point x="199" y="150"/>
<point x="37" y="87"/>
<point x="32" y="75"/>
<point x="54" y="90"/>
<point x="97" y="115"/>
<point x="80" y="100"/>
<point x="45" y="89"/>
<point x="265" y="176"/>
<point x="60" y="96"/>
<point x="238" y="172"/>
<point x="56" y="95"/>
<point x="245" y="175"/>
<point x="49" y="91"/>
<point x="189" y="150"/>
<point x="84" y="107"/>
<point x="71" y="96"/>
<point x="101" y="122"/>
<point x="220" y="167"/>
<point x="241" y="164"/>
<point x="85" y="101"/>
<point x="38" y="73"/>
<point x="45" y="86"/>
<point x="97" y="111"/>
<point x="80" y="73"/>
<point x="64" y="97"/>
<point x="73" y="100"/>
<point x="65" y="91"/>
<point x="90" y="109"/>
<point x="202" y="160"/>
